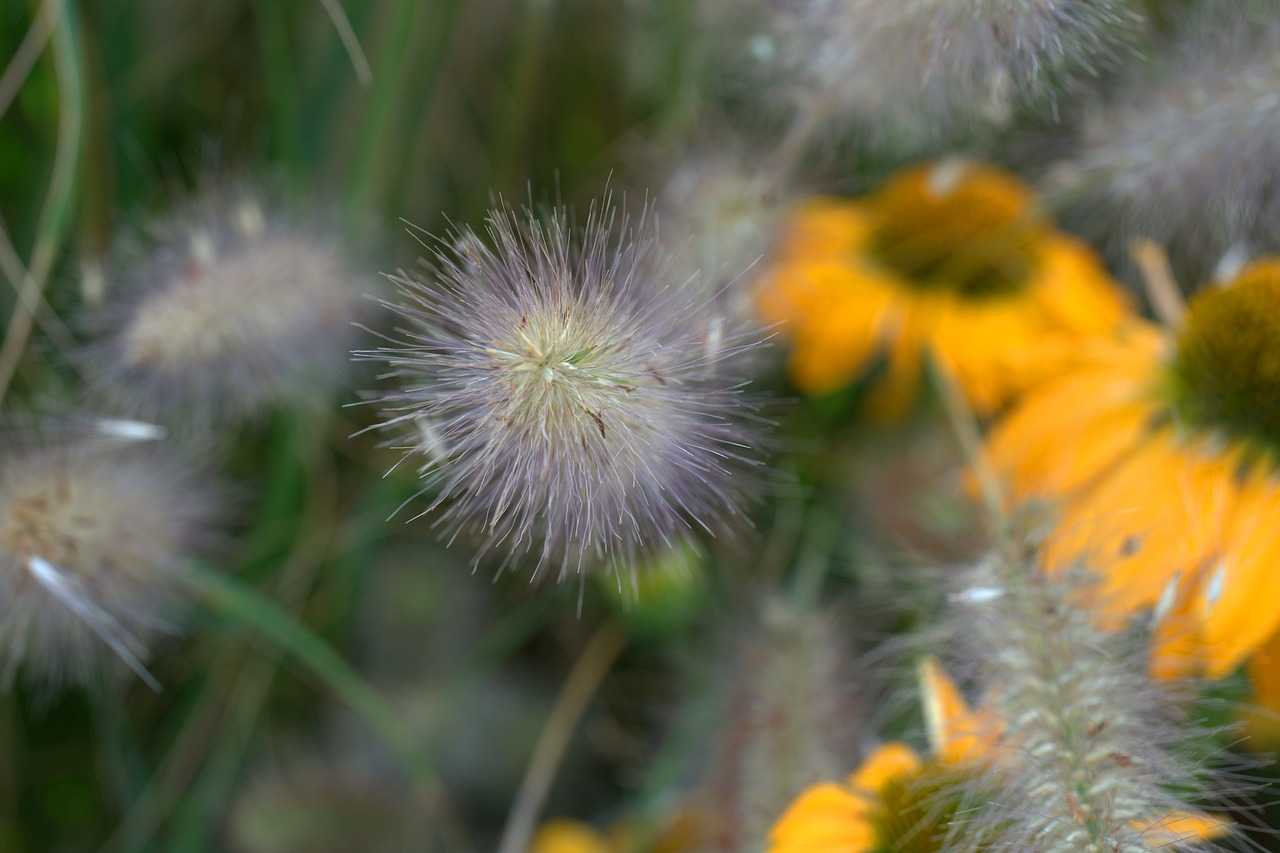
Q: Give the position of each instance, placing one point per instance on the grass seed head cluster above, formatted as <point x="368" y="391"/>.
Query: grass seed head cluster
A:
<point x="585" y="397"/>
<point x="787" y="716"/>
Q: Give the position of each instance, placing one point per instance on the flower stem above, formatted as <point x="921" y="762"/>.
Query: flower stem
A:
<point x="601" y="651"/>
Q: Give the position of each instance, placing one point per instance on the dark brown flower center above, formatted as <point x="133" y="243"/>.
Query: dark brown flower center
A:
<point x="970" y="229"/>
<point x="1226" y="373"/>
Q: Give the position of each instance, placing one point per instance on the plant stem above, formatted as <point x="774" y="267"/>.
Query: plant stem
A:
<point x="56" y="210"/>
<point x="601" y="651"/>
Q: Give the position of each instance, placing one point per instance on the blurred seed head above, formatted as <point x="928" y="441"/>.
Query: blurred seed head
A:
<point x="1095" y="755"/>
<point x="565" y="402"/>
<point x="225" y="307"/>
<point x="93" y="539"/>
<point x="1186" y="151"/>
<point x="916" y="72"/>
<point x="786" y="714"/>
<point x="326" y="800"/>
<point x="719" y="213"/>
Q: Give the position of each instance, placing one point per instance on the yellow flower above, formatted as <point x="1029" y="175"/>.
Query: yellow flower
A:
<point x="1162" y="452"/>
<point x="843" y="818"/>
<point x="855" y="817"/>
<point x="949" y="261"/>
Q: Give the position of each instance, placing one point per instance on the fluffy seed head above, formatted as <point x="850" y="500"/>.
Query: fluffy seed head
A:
<point x="912" y="71"/>
<point x="92" y="544"/>
<point x="231" y="307"/>
<point x="1094" y="756"/>
<point x="1186" y="151"/>
<point x="567" y="401"/>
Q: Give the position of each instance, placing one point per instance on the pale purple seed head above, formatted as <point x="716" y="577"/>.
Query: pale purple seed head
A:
<point x="1185" y="150"/>
<point x="917" y="73"/>
<point x="570" y="406"/>
<point x="222" y="310"/>
<point x="94" y="541"/>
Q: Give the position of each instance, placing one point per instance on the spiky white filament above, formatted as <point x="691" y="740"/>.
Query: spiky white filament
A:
<point x="231" y="308"/>
<point x="1184" y="151"/>
<point x="68" y="592"/>
<point x="131" y="430"/>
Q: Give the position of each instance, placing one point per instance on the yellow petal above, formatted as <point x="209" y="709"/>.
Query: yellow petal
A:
<point x="1179" y="828"/>
<point x="1160" y="513"/>
<point x="1238" y="605"/>
<point x="1075" y="290"/>
<point x="1061" y="437"/>
<point x="568" y="836"/>
<point x="956" y="733"/>
<point x="889" y="761"/>
<point x="836" y="342"/>
<point x="826" y="818"/>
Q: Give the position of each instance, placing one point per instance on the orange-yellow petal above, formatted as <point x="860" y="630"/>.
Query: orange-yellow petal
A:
<point x="889" y="761"/>
<point x="1237" y="606"/>
<point x="824" y="819"/>
<point x="906" y="269"/>
<point x="1074" y="290"/>
<point x="1179" y="828"/>
<point x="568" y="836"/>
<point x="1066" y="433"/>
<point x="957" y="733"/>
<point x="837" y="343"/>
<point x="986" y="346"/>
<point x="1159" y="514"/>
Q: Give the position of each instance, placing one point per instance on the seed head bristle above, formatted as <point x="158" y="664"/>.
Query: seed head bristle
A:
<point x="720" y="216"/>
<point x="787" y="715"/>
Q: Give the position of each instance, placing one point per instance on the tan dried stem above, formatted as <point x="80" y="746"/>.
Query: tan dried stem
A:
<point x="588" y="672"/>
<point x="1157" y="278"/>
<point x="964" y="423"/>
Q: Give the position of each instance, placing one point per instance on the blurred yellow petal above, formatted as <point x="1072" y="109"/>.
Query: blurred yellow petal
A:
<point x="1236" y="601"/>
<point x="1159" y="453"/>
<point x="825" y="819"/>
<point x="569" y="836"/>
<point x="1161" y="511"/>
<point x="1072" y="429"/>
<point x="957" y="733"/>
<point x="1179" y="828"/>
<point x="890" y="761"/>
